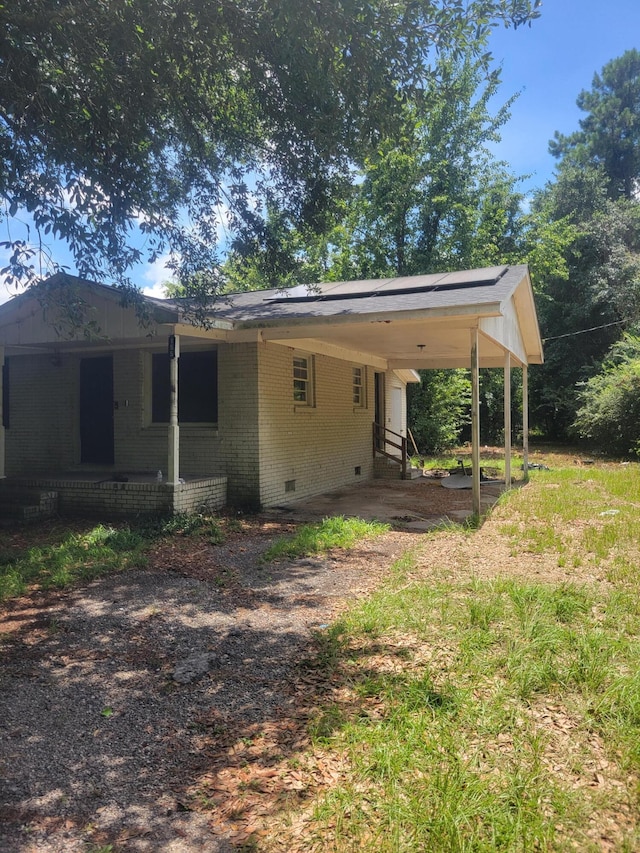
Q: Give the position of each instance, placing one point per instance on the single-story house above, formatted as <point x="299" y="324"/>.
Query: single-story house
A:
<point x="270" y="396"/>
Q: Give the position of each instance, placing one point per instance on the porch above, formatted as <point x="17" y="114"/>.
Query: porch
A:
<point x="103" y="493"/>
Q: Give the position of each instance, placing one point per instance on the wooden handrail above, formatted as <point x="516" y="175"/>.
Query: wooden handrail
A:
<point x="381" y="440"/>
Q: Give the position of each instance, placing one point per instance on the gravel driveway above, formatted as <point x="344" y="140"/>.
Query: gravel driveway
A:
<point x="102" y="688"/>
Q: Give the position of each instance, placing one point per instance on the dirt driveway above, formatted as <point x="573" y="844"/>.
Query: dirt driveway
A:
<point x="111" y="694"/>
<point x="114" y="696"/>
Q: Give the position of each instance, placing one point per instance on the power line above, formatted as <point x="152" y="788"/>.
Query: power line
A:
<point x="583" y="331"/>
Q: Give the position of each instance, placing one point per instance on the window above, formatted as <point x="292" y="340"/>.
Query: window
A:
<point x="197" y="387"/>
<point x="359" y="387"/>
<point x="303" y="380"/>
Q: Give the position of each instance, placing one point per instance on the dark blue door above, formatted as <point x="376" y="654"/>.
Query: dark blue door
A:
<point x="96" y="410"/>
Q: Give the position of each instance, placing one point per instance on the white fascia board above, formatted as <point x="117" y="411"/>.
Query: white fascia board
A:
<point x="505" y="332"/>
<point x="407" y="376"/>
<point x="284" y="328"/>
<point x="525" y="307"/>
<point x="316" y="347"/>
<point x="216" y="332"/>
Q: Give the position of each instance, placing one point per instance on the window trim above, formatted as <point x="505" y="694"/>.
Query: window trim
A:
<point x="309" y="387"/>
<point x="359" y="389"/>
<point x="148" y="421"/>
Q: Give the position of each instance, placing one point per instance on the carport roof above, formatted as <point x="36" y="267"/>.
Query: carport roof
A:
<point x="397" y="323"/>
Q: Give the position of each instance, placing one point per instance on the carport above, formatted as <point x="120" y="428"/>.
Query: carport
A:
<point x="474" y="318"/>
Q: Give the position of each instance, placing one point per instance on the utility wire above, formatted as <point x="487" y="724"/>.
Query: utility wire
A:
<point x="582" y="331"/>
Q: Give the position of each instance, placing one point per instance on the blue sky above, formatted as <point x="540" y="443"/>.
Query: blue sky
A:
<point x="549" y="63"/>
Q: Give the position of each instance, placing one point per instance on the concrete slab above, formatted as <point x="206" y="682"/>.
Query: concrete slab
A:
<point x="418" y="505"/>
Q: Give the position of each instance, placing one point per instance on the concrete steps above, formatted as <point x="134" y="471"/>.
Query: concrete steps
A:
<point x="389" y="469"/>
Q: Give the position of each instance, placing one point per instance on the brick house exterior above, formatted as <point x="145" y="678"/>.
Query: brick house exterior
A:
<point x="275" y="398"/>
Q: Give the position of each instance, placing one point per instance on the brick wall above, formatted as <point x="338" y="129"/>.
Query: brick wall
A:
<point x="238" y="421"/>
<point x="130" y="499"/>
<point x="43" y="432"/>
<point x="143" y="446"/>
<point x="310" y="449"/>
<point x="271" y="450"/>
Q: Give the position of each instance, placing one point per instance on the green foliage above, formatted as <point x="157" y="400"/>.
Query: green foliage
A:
<point x="73" y="556"/>
<point x="590" y="292"/>
<point x="609" y="413"/>
<point x="334" y="532"/>
<point x="609" y="134"/>
<point x="442" y="688"/>
<point x="79" y="556"/>
<point x="164" y="114"/>
<point x="438" y="408"/>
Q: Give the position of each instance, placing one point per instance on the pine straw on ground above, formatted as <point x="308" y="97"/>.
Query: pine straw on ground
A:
<point x="263" y="786"/>
<point x="254" y="783"/>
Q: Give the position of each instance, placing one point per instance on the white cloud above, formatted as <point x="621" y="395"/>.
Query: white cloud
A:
<point x="157" y="275"/>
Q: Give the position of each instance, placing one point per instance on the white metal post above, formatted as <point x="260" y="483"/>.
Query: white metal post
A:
<point x="475" y="423"/>
<point x="525" y="421"/>
<point x="174" y="430"/>
<point x="507" y="419"/>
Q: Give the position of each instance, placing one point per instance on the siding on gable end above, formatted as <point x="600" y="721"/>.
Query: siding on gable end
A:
<point x="317" y="447"/>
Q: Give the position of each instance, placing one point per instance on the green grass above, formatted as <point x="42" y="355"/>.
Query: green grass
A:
<point x="78" y="556"/>
<point x="334" y="532"/>
<point x="73" y="556"/>
<point x="436" y="691"/>
<point x="446" y="756"/>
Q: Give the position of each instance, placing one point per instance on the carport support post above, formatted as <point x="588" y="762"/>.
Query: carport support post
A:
<point x="507" y="420"/>
<point x="475" y="424"/>
<point x="173" y="473"/>
<point x="525" y="421"/>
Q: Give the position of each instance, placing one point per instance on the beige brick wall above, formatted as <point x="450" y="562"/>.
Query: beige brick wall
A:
<point x="238" y="421"/>
<point x="262" y="443"/>
<point x="317" y="447"/>
<point x="43" y="430"/>
<point x="143" y="446"/>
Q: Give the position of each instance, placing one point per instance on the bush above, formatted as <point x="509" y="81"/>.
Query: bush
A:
<point x="609" y="413"/>
<point x="439" y="408"/>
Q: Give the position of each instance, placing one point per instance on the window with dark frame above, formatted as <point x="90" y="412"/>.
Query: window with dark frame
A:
<point x="197" y="387"/>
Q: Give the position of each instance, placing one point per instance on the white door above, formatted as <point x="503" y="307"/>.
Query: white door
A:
<point x="397" y="411"/>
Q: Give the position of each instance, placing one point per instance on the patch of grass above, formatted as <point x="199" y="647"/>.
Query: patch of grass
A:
<point x="83" y="552"/>
<point x="79" y="556"/>
<point x="443" y="749"/>
<point x="333" y="532"/>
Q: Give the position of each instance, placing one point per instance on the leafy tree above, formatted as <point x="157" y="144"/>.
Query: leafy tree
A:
<point x="162" y="113"/>
<point x="438" y="408"/>
<point x="584" y="310"/>
<point x="609" y="413"/>
<point x="609" y="134"/>
<point x="433" y="198"/>
<point x="587" y="303"/>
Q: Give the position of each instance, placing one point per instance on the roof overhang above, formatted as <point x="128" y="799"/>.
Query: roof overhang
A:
<point x="399" y="324"/>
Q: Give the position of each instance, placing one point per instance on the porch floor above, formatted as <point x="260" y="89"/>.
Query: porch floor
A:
<point x="417" y="505"/>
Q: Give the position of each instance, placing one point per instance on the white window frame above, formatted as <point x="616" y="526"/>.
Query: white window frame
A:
<point x="303" y="379"/>
<point x="359" y="386"/>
